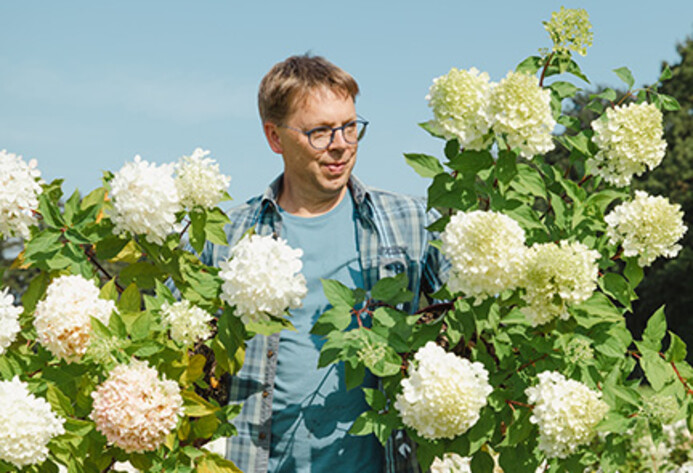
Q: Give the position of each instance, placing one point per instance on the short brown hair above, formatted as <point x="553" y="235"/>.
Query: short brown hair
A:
<point x="290" y="81"/>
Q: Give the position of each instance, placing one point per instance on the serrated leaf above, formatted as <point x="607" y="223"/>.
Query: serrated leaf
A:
<point x="392" y="290"/>
<point x="59" y="401"/>
<point x="130" y="300"/>
<point x="617" y="287"/>
<point x="338" y="294"/>
<point x="530" y="65"/>
<point x="563" y="89"/>
<point x="375" y="398"/>
<point x="657" y="371"/>
<point x="677" y="349"/>
<point x="469" y="163"/>
<point x="198" y="220"/>
<point x="626" y="76"/>
<point x="669" y="103"/>
<point x="655" y="330"/>
<point x="109" y="291"/>
<point x="424" y="165"/>
<point x="196" y="406"/>
<point x="336" y="318"/>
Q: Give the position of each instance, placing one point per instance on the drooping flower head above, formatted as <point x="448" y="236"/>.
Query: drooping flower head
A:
<point x="262" y="277"/>
<point x="647" y="227"/>
<point x="566" y="412"/>
<point x="135" y="409"/>
<point x="556" y="276"/>
<point x="20" y="187"/>
<point x="570" y="30"/>
<point x="63" y="317"/>
<point x="27" y="424"/>
<point x="145" y="199"/>
<point x="188" y="323"/>
<point x="630" y="140"/>
<point x="521" y="112"/>
<point x="199" y="181"/>
<point x="443" y="395"/>
<point x="9" y="320"/>
<point x="486" y="250"/>
<point x="460" y="103"/>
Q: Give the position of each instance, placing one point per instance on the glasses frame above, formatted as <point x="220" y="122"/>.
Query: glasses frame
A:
<point x="333" y="130"/>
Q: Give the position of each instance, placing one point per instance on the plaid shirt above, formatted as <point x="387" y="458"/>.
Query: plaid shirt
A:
<point x="392" y="238"/>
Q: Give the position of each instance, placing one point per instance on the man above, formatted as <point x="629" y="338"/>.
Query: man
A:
<point x="295" y="417"/>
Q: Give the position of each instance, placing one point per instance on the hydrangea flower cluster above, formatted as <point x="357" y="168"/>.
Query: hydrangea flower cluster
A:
<point x="486" y="250"/>
<point x="9" y="320"/>
<point x="63" y="317"/>
<point x="647" y="227"/>
<point x="199" y="181"/>
<point x="262" y="278"/>
<point x="460" y="101"/>
<point x="443" y="395"/>
<point x="556" y="276"/>
<point x="570" y="30"/>
<point x="630" y="140"/>
<point x="20" y="186"/>
<point x="566" y="412"/>
<point x="188" y="323"/>
<point x="451" y="463"/>
<point x="134" y="409"/>
<point x="145" y="199"/>
<point x="521" y="111"/>
<point x="27" y="424"/>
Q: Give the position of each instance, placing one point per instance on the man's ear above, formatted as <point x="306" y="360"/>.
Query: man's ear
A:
<point x="272" y="136"/>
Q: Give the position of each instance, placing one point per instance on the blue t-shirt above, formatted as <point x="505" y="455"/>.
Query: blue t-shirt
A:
<point x="312" y="410"/>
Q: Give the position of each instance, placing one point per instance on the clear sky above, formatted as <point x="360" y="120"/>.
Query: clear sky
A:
<point x="86" y="85"/>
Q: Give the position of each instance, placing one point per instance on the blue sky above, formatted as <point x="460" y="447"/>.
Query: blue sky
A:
<point x="86" y="85"/>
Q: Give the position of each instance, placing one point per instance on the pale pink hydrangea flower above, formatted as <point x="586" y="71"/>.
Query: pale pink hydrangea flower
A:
<point x="135" y="409"/>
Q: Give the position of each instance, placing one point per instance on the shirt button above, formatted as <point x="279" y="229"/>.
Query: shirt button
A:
<point x="262" y="436"/>
<point x="270" y="353"/>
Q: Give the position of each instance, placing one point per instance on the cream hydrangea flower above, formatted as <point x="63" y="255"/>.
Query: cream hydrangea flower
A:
<point x="521" y="111"/>
<point x="443" y="395"/>
<point x="199" y="181"/>
<point x="27" y="424"/>
<point x="460" y="103"/>
<point x="451" y="463"/>
<point x="647" y="227"/>
<point x="556" y="276"/>
<point x="135" y="409"/>
<point x="145" y="199"/>
<point x="188" y="323"/>
<point x="63" y="317"/>
<point x="486" y="250"/>
<point x="566" y="412"/>
<point x="570" y="30"/>
<point x="9" y="320"/>
<point x="262" y="278"/>
<point x="20" y="186"/>
<point x="630" y="140"/>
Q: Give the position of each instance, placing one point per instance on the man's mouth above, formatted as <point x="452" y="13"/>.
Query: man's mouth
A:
<point x="336" y="168"/>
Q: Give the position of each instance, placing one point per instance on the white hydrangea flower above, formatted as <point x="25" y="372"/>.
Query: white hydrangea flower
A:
<point x="145" y="199"/>
<point x="460" y="103"/>
<point x="199" y="181"/>
<point x="521" y="112"/>
<point x="134" y="409"/>
<point x="451" y="463"/>
<point x="566" y="412"/>
<point x="648" y="226"/>
<point x="188" y="323"/>
<point x="20" y="187"/>
<point x="63" y="317"/>
<point x="27" y="424"/>
<point x="570" y="30"/>
<point x="486" y="250"/>
<point x="630" y="140"/>
<point x="443" y="395"/>
<point x="556" y="276"/>
<point x="9" y="320"/>
<point x="262" y="277"/>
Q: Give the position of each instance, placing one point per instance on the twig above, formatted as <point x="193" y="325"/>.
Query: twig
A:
<point x="546" y="66"/>
<point x="92" y="259"/>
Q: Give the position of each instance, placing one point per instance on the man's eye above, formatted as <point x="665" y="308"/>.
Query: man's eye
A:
<point x="318" y="133"/>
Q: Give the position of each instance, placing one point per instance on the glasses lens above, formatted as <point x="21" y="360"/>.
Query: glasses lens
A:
<point x="320" y="137"/>
<point x="354" y="131"/>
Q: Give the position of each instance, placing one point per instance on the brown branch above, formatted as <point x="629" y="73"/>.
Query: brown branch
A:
<point x="512" y="403"/>
<point x="546" y="66"/>
<point x="185" y="228"/>
<point x="92" y="259"/>
<point x="681" y="378"/>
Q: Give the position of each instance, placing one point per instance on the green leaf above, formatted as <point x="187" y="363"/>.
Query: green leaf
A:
<point x="130" y="299"/>
<point x="677" y="349"/>
<point x="469" y="163"/>
<point x="143" y="274"/>
<point x="214" y="228"/>
<point x="529" y="181"/>
<point x="563" y="89"/>
<point x="607" y="94"/>
<point x="626" y="76"/>
<point x="655" y="330"/>
<point x="423" y="164"/>
<point x="59" y="401"/>
<point x="196" y="406"/>
<point x="50" y="212"/>
<point x="574" y="69"/>
<point x="452" y="149"/>
<point x="669" y="103"/>
<point x="520" y="428"/>
<point x="506" y="167"/>
<point x="392" y="290"/>
<point x="117" y="326"/>
<point x="597" y="309"/>
<point x="363" y="425"/>
<point x="446" y="191"/>
<point x="657" y="371"/>
<point x="482" y="462"/>
<point x="431" y="129"/>
<point x="271" y="326"/>
<point x="633" y="272"/>
<point x="530" y="65"/>
<point x="614" y="422"/>
<point x="353" y="375"/>
<point x="110" y="246"/>
<point x="375" y="398"/>
<point x="338" y="294"/>
<point x="336" y="318"/>
<point x="666" y="74"/>
<point x="198" y="221"/>
<point x="617" y="287"/>
<point x="569" y="122"/>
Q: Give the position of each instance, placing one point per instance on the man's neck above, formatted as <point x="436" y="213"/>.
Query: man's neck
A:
<point x="307" y="206"/>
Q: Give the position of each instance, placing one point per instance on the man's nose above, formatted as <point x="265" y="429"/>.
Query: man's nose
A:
<point x="338" y="141"/>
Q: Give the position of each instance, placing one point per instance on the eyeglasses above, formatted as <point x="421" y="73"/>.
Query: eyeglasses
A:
<point x="321" y="137"/>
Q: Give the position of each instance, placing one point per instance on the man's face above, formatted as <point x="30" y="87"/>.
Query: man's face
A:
<point x="317" y="175"/>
